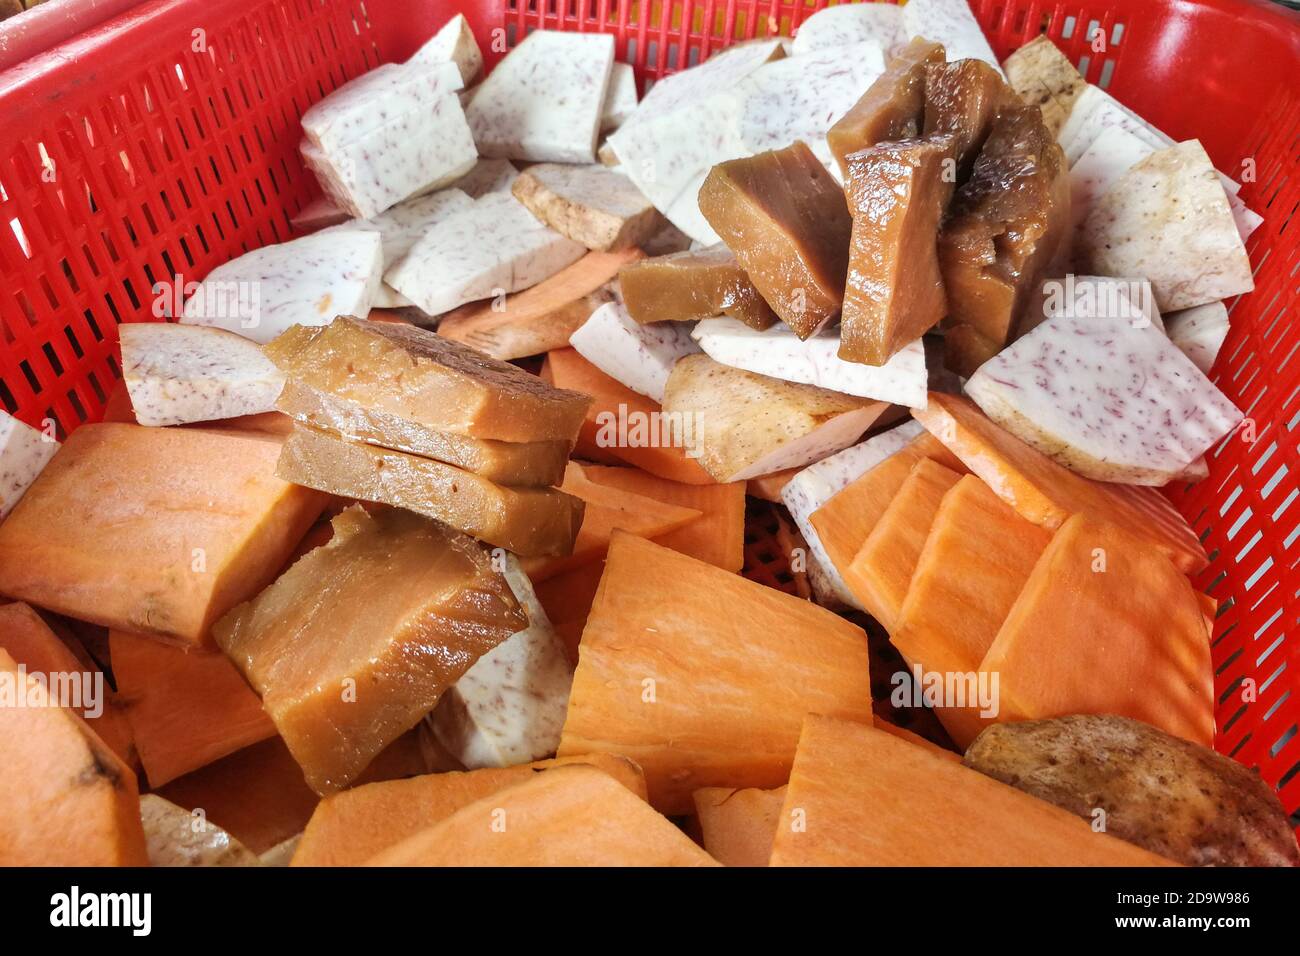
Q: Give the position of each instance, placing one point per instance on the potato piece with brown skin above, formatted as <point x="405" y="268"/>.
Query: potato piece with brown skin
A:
<point x="1043" y="77"/>
<point x="1167" y="795"/>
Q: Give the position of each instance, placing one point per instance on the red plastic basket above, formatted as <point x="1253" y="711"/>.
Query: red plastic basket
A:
<point x="164" y="142"/>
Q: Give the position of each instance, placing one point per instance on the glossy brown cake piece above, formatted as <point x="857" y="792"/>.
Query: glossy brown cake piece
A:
<point x="355" y="643"/>
<point x="961" y="99"/>
<point x="527" y="521"/>
<point x="531" y="463"/>
<point x="893" y="106"/>
<point x="1003" y="228"/>
<point x="898" y="192"/>
<point x="786" y="220"/>
<point x="690" y="285"/>
<point x="432" y="381"/>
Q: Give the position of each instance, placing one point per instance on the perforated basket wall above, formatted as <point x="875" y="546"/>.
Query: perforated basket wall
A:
<point x="163" y="143"/>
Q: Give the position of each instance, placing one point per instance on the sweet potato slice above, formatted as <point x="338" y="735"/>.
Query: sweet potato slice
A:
<point x="568" y="816"/>
<point x="974" y="563"/>
<point x="614" y="403"/>
<point x="609" y="507"/>
<point x="703" y="677"/>
<point x="902" y="733"/>
<point x="769" y="487"/>
<point x="859" y="796"/>
<point x="845" y="520"/>
<point x="121" y="528"/>
<point x="882" y="569"/>
<point x="187" y="708"/>
<point x="350" y="827"/>
<point x="1099" y="602"/>
<point x="65" y="798"/>
<point x="738" y="825"/>
<point x="543" y="317"/>
<point x="566" y="598"/>
<point x="717" y="537"/>
<point x="256" y="794"/>
<point x="31" y="643"/>
<point x="1047" y="494"/>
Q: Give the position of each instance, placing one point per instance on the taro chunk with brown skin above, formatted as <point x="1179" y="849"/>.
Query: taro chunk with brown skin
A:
<point x="898" y="192"/>
<point x="786" y="220"/>
<point x="1003" y="228"/>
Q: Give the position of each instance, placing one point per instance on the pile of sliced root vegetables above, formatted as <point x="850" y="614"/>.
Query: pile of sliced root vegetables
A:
<point x="436" y="536"/>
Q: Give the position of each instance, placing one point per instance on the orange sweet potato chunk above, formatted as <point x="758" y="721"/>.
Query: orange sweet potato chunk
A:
<point x="844" y="521"/>
<point x="738" y="825"/>
<point x="186" y="707"/>
<point x="614" y="402"/>
<point x="123" y="528"/>
<point x="568" y="816"/>
<point x="31" y="643"/>
<point x="902" y="733"/>
<point x="1106" y="625"/>
<point x="859" y="796"/>
<point x="717" y="537"/>
<point x="257" y="794"/>
<point x="567" y="598"/>
<point x="703" y="677"/>
<point x="769" y="487"/>
<point x="1047" y="494"/>
<point x="350" y="827"/>
<point x="882" y="569"/>
<point x="608" y="507"/>
<point x="975" y="561"/>
<point x="65" y="798"/>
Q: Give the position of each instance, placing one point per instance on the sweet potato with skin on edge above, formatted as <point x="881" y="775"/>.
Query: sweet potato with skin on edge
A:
<point x="65" y="798"/>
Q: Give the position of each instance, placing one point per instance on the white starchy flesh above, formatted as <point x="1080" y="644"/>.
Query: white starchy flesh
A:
<point x="1105" y="398"/>
<point x="282" y="852"/>
<point x="815" y="485"/>
<point x="414" y="154"/>
<point x="175" y="836"/>
<point x="832" y="436"/>
<point x="1167" y="219"/>
<point x="590" y="204"/>
<point x="951" y="23"/>
<point x="779" y="353"/>
<point x="1199" y="332"/>
<point x="386" y="94"/>
<point x="190" y="373"/>
<point x="1198" y="470"/>
<point x="620" y="98"/>
<point x="1246" y="219"/>
<point x="319" y="214"/>
<point x="401" y="226"/>
<point x="685" y="125"/>
<point x="544" y="101"/>
<point x="850" y="23"/>
<point x="1096" y="110"/>
<point x="751" y="425"/>
<point x="454" y="43"/>
<point x="639" y="356"/>
<point x="495" y="246"/>
<point x="307" y="281"/>
<point x="822" y="583"/>
<point x="509" y="708"/>
<point x="24" y="452"/>
<point x="1113" y="152"/>
<point x="487" y="176"/>
<point x="802" y="97"/>
<point x="1107" y="297"/>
